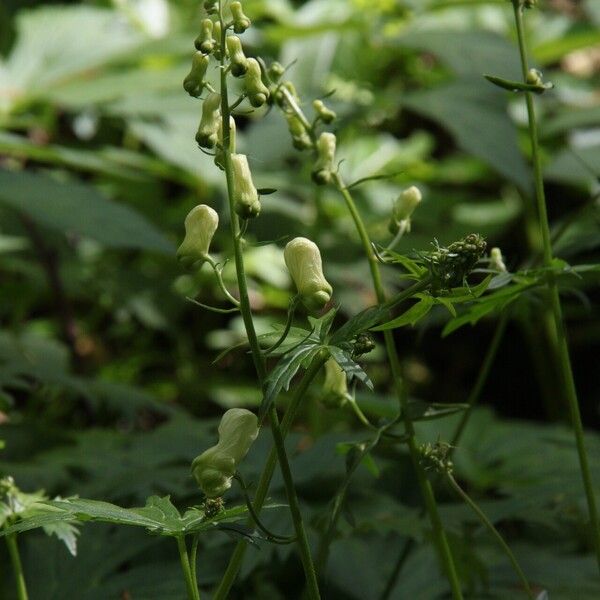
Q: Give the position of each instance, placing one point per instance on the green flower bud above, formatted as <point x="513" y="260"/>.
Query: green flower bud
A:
<point x="246" y="201"/>
<point x="239" y="62"/>
<point x="300" y="138"/>
<point x="335" y="386"/>
<point x="325" y="114"/>
<point x="257" y="91"/>
<point x="403" y="208"/>
<point x="497" y="260"/>
<point x="534" y="77"/>
<point x="214" y="468"/>
<point x="303" y="260"/>
<point x="200" y="226"/>
<point x="276" y="70"/>
<point x="205" y="42"/>
<point x="207" y="134"/>
<point x="193" y="84"/>
<point x="211" y="6"/>
<point x="217" y="35"/>
<point x="323" y="169"/>
<point x="219" y="160"/>
<point x="240" y="21"/>
<point x="291" y="90"/>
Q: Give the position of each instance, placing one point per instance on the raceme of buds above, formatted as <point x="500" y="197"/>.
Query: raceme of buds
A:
<point x="323" y="169"/>
<point x="404" y="206"/>
<point x="497" y="260"/>
<point x="207" y="134"/>
<point x="219" y="160"/>
<point x="205" y="42"/>
<point x="335" y="386"/>
<point x="214" y="468"/>
<point x="238" y="60"/>
<point x="303" y="260"/>
<point x="300" y="138"/>
<point x="240" y="21"/>
<point x="256" y="90"/>
<point x="200" y="226"/>
<point x="194" y="81"/>
<point x="245" y="195"/>
<point x="325" y="114"/>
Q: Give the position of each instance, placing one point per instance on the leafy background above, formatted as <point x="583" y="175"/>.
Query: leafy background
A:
<point x="107" y="387"/>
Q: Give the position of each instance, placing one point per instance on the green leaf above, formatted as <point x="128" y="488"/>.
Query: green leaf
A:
<point x="518" y="86"/>
<point x="66" y="532"/>
<point x="411" y="316"/>
<point x="75" y="208"/>
<point x="350" y="367"/>
<point x="425" y="411"/>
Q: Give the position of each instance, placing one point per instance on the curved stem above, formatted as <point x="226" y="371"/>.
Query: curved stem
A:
<point x="257" y="356"/>
<point x="561" y="336"/>
<point x="483" y="518"/>
<point x="286" y="330"/>
<point x="482" y="376"/>
<point x="219" y="276"/>
<point x="15" y="559"/>
<point x="425" y="485"/>
<point x="190" y="584"/>
<point x="235" y="562"/>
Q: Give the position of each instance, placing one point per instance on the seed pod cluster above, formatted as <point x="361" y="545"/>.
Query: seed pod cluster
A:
<point x="214" y="469"/>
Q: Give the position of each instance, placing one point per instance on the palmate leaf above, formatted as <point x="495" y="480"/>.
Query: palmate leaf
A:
<point x="350" y="367"/>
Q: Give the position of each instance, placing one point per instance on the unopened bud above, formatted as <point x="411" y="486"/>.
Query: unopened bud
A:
<point x="323" y="169"/>
<point x="246" y="201"/>
<point x="193" y="84"/>
<point x="205" y="42"/>
<point x="200" y="226"/>
<point x="303" y="260"/>
<point x="325" y="114"/>
<point x="240" y="21"/>
<point x="300" y="138"/>
<point x="211" y="6"/>
<point x="335" y="386"/>
<point x="497" y="260"/>
<point x="238" y="60"/>
<point x="217" y="36"/>
<point x="404" y="206"/>
<point x="214" y="468"/>
<point x="256" y="90"/>
<point x="276" y="70"/>
<point x="207" y="134"/>
<point x="534" y="77"/>
<point x="280" y="94"/>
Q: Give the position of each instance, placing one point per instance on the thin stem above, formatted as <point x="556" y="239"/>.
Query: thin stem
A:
<point x="219" y="276"/>
<point x="257" y="355"/>
<point x="425" y="485"/>
<point x="194" y="557"/>
<point x="563" y="348"/>
<point x="235" y="562"/>
<point x="483" y="518"/>
<point x="15" y="559"/>
<point x="482" y="376"/>
<point x="190" y="584"/>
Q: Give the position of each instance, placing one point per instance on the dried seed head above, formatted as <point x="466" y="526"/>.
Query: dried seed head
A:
<point x="214" y="468"/>
<point x="200" y="226"/>
<point x="335" y="386"/>
<point x="207" y="134"/>
<point x="323" y="169"/>
<point x="256" y="90"/>
<point x="303" y="260"/>
<point x="246" y="201"/>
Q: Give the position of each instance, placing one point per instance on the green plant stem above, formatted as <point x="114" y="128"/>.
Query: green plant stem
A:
<point x="15" y="559"/>
<point x="563" y="349"/>
<point x="482" y="376"/>
<point x="424" y="484"/>
<point x="483" y="518"/>
<point x="235" y="562"/>
<point x="194" y="556"/>
<point x="257" y="355"/>
<point x="190" y="583"/>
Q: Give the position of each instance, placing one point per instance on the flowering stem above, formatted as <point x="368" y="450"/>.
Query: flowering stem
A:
<point x="425" y="485"/>
<point x="235" y="562"/>
<point x="190" y="583"/>
<point x="483" y="518"/>
<point x="15" y="559"/>
<point x="257" y="355"/>
<point x="561" y="337"/>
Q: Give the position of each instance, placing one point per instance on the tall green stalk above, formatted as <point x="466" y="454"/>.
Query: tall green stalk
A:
<point x="561" y="336"/>
<point x="190" y="583"/>
<point x="15" y="559"/>
<point x="401" y="392"/>
<point x="257" y="356"/>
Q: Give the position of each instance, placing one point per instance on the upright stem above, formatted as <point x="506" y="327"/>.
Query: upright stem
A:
<point x="190" y="584"/>
<point x="235" y="562"/>
<point x="563" y="348"/>
<point x="424" y="484"/>
<point x="483" y="518"/>
<point x="257" y="356"/>
<point x="15" y="559"/>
